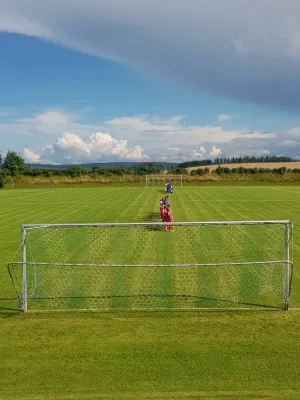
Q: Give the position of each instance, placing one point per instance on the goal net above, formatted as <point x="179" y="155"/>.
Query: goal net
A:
<point x="160" y="180"/>
<point x="140" y="266"/>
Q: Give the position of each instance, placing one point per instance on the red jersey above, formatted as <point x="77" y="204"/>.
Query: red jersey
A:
<point x="164" y="215"/>
<point x="169" y="217"/>
<point x="161" y="208"/>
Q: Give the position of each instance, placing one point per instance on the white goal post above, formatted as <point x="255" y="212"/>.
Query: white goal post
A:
<point x="163" y="179"/>
<point x="141" y="266"/>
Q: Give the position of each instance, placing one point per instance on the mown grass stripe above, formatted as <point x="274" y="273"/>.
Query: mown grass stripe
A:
<point x="107" y="204"/>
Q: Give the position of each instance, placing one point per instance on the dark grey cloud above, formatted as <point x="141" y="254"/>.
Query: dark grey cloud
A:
<point x="244" y="49"/>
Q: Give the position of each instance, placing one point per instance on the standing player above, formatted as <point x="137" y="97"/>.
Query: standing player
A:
<point x="170" y="188"/>
<point x="161" y="208"/>
<point x="169" y="218"/>
<point x="164" y="215"/>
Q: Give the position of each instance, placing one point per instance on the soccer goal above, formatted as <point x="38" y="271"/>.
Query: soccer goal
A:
<point x="141" y="266"/>
<point x="159" y="180"/>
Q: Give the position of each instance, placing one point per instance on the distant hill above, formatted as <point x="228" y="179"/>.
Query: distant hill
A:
<point x="103" y="165"/>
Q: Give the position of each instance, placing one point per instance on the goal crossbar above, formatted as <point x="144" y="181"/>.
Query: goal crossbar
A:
<point x="164" y="178"/>
<point x="128" y="224"/>
<point x="153" y="265"/>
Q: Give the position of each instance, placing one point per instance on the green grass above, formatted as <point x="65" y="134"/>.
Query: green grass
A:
<point x="228" y="355"/>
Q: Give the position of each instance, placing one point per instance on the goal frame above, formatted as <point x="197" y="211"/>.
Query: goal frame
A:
<point x="287" y="239"/>
<point x="164" y="177"/>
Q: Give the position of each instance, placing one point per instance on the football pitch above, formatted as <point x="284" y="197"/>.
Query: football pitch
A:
<point x="141" y="355"/>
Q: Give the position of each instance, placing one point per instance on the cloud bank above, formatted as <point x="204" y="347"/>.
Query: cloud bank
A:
<point x="66" y="139"/>
<point x="71" y="148"/>
<point x="243" y="49"/>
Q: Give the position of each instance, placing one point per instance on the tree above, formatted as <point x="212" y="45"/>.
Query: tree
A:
<point x="0" y="159"/>
<point x="13" y="163"/>
<point x="148" y="168"/>
<point x="77" y="170"/>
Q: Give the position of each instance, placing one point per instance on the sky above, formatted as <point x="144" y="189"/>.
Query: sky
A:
<point x="138" y="80"/>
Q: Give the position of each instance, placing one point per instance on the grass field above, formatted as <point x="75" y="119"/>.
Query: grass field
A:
<point x="218" y="355"/>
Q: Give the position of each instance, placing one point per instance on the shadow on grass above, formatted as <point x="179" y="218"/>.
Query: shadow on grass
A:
<point x="152" y="217"/>
<point x="6" y="306"/>
<point x="162" y="192"/>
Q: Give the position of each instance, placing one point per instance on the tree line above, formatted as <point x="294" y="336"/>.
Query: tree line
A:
<point x="221" y="170"/>
<point x="236" y="160"/>
<point x="13" y="165"/>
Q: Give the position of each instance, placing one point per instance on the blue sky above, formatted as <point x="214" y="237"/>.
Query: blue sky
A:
<point x="86" y="81"/>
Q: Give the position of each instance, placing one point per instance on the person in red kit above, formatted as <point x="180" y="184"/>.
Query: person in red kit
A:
<point x="164" y="215"/>
<point x="169" y="218"/>
<point x="161" y="208"/>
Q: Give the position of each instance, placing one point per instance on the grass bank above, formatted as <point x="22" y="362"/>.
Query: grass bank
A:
<point x="136" y="180"/>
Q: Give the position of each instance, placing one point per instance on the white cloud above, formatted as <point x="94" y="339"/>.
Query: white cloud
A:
<point x="293" y="134"/>
<point x="290" y="143"/>
<point x="49" y="122"/>
<point x="30" y="156"/>
<point x="224" y="117"/>
<point x="99" y="147"/>
<point x="173" y="149"/>
<point x="184" y="132"/>
<point x="146" y="124"/>
<point x="230" y="52"/>
<point x="103" y="144"/>
<point x="198" y="154"/>
<point x="202" y="151"/>
<point x="215" y="152"/>
<point x="74" y="143"/>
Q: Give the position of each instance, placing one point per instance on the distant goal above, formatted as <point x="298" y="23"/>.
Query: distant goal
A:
<point x="159" y="180"/>
<point x="140" y="266"/>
